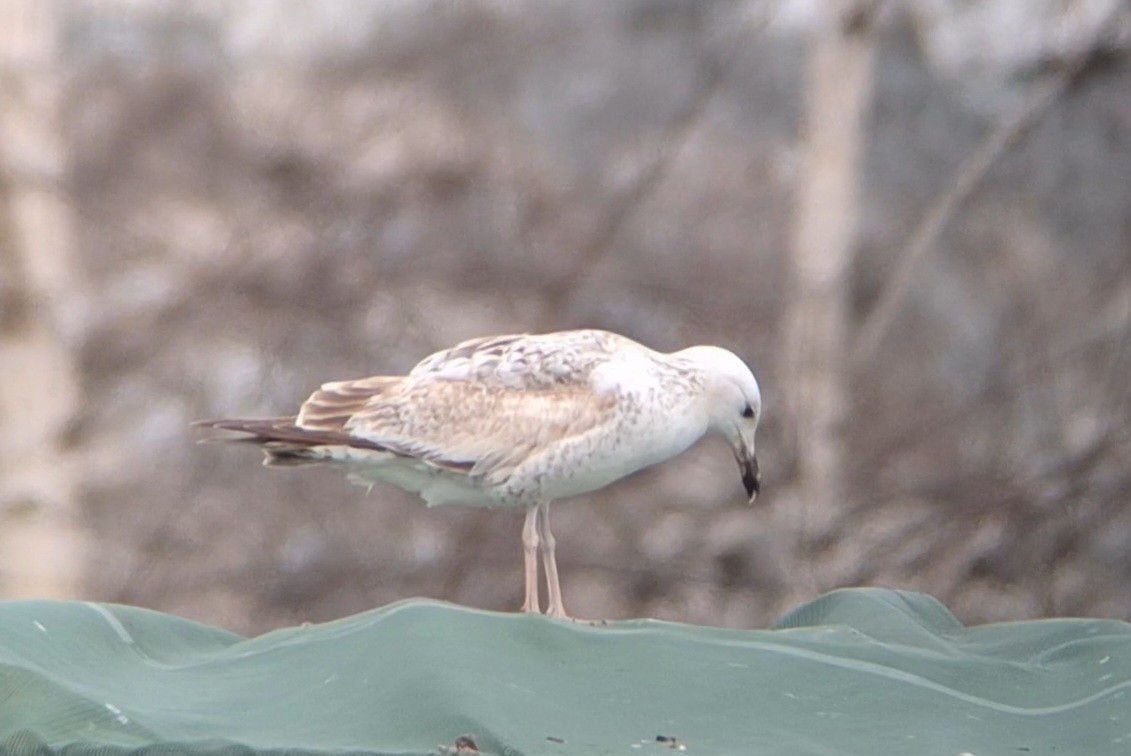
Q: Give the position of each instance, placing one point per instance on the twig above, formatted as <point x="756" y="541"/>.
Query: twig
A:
<point x="969" y="177"/>
<point x="620" y="208"/>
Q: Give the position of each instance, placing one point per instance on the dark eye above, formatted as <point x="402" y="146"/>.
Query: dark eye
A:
<point x="748" y="412"/>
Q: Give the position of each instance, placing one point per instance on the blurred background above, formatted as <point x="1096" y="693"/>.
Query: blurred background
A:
<point x="911" y="217"/>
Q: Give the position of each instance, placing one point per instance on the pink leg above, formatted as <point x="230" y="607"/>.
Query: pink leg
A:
<point x="530" y="557"/>
<point x="549" y="563"/>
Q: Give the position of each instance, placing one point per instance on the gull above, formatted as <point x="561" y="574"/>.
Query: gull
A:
<point x="521" y="421"/>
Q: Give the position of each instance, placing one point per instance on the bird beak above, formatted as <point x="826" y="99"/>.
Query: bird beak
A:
<point x="751" y="476"/>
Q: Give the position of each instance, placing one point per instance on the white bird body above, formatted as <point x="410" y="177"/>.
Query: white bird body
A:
<point x="521" y="420"/>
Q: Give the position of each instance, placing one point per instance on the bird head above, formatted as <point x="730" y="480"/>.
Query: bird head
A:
<point x="733" y="405"/>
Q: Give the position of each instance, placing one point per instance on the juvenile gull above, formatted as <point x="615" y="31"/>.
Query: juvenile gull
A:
<point x="520" y="421"/>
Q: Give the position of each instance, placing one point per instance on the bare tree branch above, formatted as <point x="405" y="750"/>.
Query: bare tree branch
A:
<point x="602" y="239"/>
<point x="967" y="180"/>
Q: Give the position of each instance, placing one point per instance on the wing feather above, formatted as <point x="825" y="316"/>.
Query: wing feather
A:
<point x="525" y="361"/>
<point x="478" y="409"/>
<point x="331" y="406"/>
<point x="481" y="430"/>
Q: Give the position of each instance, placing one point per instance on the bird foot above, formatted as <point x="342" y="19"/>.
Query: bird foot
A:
<point x="561" y="615"/>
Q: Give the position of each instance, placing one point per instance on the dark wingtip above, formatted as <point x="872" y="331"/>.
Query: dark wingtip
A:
<point x="258" y="430"/>
<point x="282" y="430"/>
<point x="245" y="424"/>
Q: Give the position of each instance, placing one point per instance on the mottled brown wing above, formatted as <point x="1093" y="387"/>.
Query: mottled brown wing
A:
<point x="478" y="428"/>
<point x="331" y="406"/>
<point x="525" y="361"/>
<point x="481" y="407"/>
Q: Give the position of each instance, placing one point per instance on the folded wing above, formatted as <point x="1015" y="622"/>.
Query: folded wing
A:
<point x="525" y="361"/>
<point x="478" y="409"/>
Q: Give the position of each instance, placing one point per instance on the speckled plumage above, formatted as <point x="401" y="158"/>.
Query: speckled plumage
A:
<point x="520" y="420"/>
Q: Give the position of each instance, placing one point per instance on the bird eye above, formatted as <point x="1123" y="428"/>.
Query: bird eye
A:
<point x="748" y="412"/>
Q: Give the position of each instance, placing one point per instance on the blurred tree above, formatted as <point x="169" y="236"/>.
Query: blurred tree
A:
<point x="301" y="191"/>
<point x="40" y="544"/>
<point x="837" y="98"/>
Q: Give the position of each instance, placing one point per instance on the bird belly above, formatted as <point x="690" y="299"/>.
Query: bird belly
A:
<point x="590" y="465"/>
<point x="436" y="486"/>
<point x="366" y="467"/>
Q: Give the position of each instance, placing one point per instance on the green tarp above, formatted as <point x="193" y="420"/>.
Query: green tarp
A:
<point x="855" y="672"/>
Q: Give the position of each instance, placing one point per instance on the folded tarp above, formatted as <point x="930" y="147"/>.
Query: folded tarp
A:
<point x="863" y="671"/>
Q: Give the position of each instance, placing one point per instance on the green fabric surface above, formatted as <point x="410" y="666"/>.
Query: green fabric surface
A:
<point x="863" y="671"/>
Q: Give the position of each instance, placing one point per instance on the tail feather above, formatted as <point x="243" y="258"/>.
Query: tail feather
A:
<point x="256" y="426"/>
<point x="281" y="439"/>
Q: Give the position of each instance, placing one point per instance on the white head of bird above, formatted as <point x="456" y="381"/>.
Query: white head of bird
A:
<point x="734" y="405"/>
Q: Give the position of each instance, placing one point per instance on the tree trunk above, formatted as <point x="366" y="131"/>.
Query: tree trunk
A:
<point x="815" y="380"/>
<point x="40" y="542"/>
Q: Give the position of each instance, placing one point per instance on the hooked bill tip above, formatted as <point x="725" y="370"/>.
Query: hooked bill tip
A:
<point x="751" y="479"/>
<point x="751" y="490"/>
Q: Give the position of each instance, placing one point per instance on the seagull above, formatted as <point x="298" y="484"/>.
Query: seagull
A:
<point x="521" y="421"/>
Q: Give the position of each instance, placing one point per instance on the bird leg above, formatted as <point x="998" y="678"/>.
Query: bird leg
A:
<point x="549" y="563"/>
<point x="530" y="557"/>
